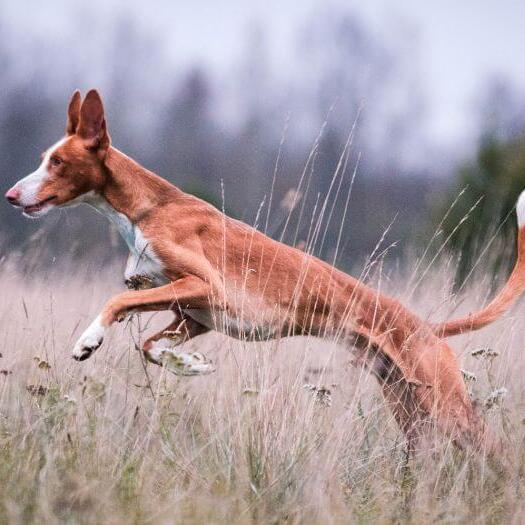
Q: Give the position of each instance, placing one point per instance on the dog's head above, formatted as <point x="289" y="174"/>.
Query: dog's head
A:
<point x="72" y="167"/>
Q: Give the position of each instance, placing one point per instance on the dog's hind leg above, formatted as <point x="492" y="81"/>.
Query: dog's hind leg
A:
<point x="434" y="392"/>
<point x="424" y="388"/>
<point x="401" y="399"/>
<point x="162" y="348"/>
<point x="397" y="392"/>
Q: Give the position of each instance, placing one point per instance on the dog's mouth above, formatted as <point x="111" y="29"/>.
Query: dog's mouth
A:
<point x="34" y="208"/>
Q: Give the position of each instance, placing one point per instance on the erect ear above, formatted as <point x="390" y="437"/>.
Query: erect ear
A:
<point x="73" y="113"/>
<point x="92" y="126"/>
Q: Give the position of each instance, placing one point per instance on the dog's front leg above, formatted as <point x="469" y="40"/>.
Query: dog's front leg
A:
<point x="188" y="292"/>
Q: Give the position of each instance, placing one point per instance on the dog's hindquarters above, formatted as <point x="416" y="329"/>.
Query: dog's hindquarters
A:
<point x="419" y="375"/>
<point x="424" y="389"/>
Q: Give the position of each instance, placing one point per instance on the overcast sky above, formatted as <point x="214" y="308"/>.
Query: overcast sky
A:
<point x="459" y="44"/>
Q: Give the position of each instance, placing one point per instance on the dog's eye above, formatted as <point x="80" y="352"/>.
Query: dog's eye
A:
<point x="55" y="161"/>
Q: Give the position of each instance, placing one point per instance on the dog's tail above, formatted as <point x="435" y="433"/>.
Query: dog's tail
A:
<point x="513" y="288"/>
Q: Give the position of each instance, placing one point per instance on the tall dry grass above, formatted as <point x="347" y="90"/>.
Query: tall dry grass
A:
<point x="285" y="431"/>
<point x="111" y="440"/>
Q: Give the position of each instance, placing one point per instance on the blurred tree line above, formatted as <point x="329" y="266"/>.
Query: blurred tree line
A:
<point x="486" y="188"/>
<point x="248" y="135"/>
<point x="339" y="130"/>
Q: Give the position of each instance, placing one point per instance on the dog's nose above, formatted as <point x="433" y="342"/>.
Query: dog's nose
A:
<point x="12" y="196"/>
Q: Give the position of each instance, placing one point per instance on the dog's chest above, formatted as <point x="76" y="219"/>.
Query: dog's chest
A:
<point x="143" y="269"/>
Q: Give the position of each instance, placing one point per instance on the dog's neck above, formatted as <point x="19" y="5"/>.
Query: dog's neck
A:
<point x="130" y="193"/>
<point x="130" y="189"/>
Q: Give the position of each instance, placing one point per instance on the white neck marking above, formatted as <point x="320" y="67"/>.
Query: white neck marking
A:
<point x="143" y="260"/>
<point x="126" y="228"/>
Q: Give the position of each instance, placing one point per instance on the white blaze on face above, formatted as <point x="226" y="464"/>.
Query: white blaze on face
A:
<point x="30" y="186"/>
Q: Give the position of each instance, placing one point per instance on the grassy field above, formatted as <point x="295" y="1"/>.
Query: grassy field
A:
<point x="111" y="440"/>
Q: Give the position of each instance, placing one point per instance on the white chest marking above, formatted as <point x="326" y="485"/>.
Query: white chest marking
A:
<point x="142" y="259"/>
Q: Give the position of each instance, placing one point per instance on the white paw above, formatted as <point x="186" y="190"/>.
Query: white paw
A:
<point x="181" y="363"/>
<point x="89" y="341"/>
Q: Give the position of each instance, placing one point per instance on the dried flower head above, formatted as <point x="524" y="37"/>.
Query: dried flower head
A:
<point x="469" y="377"/>
<point x="484" y="353"/>
<point x="495" y="398"/>
<point x="250" y="392"/>
<point x="37" y="390"/>
<point x="41" y="363"/>
<point x="291" y="199"/>
<point x="322" y="395"/>
<point x="139" y="282"/>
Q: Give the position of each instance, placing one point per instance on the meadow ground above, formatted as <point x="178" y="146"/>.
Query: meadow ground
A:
<point x="111" y="440"/>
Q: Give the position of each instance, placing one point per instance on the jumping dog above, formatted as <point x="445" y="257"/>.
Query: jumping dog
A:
<point x="216" y="273"/>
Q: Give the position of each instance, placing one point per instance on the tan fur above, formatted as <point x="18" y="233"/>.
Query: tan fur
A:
<point x="222" y="266"/>
<point x="512" y="290"/>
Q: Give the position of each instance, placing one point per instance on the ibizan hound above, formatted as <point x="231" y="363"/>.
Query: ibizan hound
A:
<point x="216" y="273"/>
